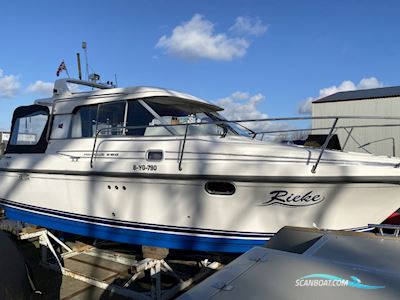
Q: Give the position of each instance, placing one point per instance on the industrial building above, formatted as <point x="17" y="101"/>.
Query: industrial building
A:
<point x="378" y="102"/>
<point x="4" y="137"/>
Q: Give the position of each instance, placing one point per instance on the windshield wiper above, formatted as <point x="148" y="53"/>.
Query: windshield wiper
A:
<point x="248" y="129"/>
<point x="225" y="132"/>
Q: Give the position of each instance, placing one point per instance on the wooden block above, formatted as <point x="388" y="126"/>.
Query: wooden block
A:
<point x="154" y="252"/>
<point x="31" y="229"/>
<point x="80" y="247"/>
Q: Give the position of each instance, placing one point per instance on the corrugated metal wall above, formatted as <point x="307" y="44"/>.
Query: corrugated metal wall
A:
<point x="383" y="140"/>
<point x="3" y="142"/>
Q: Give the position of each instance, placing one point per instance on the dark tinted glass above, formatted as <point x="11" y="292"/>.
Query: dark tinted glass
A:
<point x="137" y="116"/>
<point x="28" y="130"/>
<point x="111" y="118"/>
<point x="87" y="121"/>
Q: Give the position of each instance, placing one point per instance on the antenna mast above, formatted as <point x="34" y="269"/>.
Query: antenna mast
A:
<point x="78" y="57"/>
<point x="84" y="47"/>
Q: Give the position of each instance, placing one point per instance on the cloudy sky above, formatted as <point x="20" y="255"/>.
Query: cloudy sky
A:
<point x="256" y="58"/>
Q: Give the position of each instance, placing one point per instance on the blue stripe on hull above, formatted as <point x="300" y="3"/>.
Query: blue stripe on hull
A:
<point x="133" y="236"/>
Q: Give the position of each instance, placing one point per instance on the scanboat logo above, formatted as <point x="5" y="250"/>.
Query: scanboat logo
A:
<point x="318" y="280"/>
<point x="282" y="197"/>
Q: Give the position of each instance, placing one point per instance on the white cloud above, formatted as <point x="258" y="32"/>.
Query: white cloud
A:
<point x="9" y="85"/>
<point x="347" y="85"/>
<point x="369" y="83"/>
<point x="244" y="25"/>
<point x="305" y="107"/>
<point x="196" y="39"/>
<point x="243" y="106"/>
<point x="41" y="87"/>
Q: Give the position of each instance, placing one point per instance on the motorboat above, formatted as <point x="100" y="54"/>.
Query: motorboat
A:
<point x="157" y="167"/>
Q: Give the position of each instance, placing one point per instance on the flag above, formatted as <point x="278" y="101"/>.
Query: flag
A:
<point x="61" y="67"/>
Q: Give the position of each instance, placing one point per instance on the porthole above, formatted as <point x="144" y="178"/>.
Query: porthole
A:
<point x="220" y="188"/>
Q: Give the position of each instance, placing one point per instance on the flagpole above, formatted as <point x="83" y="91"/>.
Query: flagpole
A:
<point x="66" y="70"/>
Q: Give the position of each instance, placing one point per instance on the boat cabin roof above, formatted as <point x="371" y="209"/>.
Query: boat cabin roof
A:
<point x="65" y="99"/>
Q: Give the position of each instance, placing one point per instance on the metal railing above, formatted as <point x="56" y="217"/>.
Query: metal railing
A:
<point x="328" y="138"/>
<point x="392" y="139"/>
<point x="253" y="134"/>
<point x="391" y="229"/>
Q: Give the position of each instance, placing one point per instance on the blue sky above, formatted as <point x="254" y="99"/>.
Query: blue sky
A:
<point x="262" y="58"/>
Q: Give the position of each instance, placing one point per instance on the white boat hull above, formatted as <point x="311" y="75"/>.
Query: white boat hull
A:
<point x="179" y="213"/>
<point x="157" y="167"/>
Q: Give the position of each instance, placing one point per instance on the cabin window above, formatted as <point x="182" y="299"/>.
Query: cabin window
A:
<point x="158" y="116"/>
<point x="106" y="118"/>
<point x="61" y="125"/>
<point x="84" y="122"/>
<point x="179" y="115"/>
<point x="137" y="116"/>
<point x="110" y="118"/>
<point x="29" y="129"/>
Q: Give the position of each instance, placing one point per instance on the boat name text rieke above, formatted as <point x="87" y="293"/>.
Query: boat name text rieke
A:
<point x="285" y="198"/>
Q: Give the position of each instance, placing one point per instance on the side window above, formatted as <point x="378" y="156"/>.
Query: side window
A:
<point x="110" y="118"/>
<point x="168" y="110"/>
<point x="180" y="115"/>
<point x="60" y="128"/>
<point x="137" y="116"/>
<point x="84" y="122"/>
<point x="168" y="113"/>
<point x="28" y="130"/>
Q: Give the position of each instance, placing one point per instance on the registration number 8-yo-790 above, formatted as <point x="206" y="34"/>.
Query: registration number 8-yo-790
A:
<point x="142" y="167"/>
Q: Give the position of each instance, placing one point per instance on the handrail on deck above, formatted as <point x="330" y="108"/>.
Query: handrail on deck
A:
<point x="183" y="148"/>
<point x="254" y="134"/>
<point x="328" y="138"/>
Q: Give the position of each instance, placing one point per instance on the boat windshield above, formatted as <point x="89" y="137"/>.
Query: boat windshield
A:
<point x="238" y="128"/>
<point x="159" y="115"/>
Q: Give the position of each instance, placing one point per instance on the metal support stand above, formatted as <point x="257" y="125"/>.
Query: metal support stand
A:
<point x="156" y="266"/>
<point x="395" y="229"/>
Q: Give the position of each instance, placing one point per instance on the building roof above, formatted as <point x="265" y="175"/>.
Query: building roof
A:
<point x="385" y="92"/>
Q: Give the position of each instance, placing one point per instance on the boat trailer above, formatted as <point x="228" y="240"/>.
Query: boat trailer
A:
<point x="155" y="264"/>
